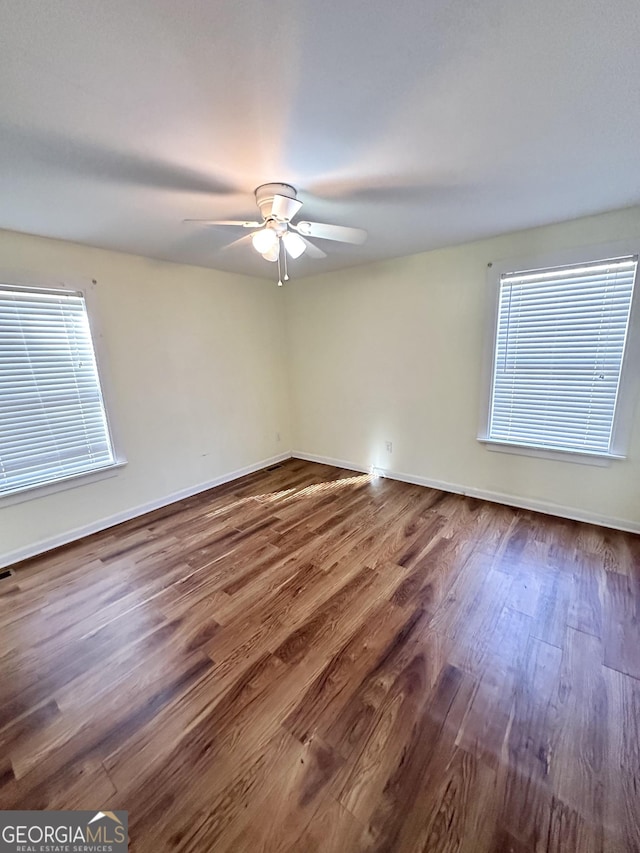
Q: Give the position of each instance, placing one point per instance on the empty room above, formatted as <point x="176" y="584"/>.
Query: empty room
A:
<point x="319" y="426"/>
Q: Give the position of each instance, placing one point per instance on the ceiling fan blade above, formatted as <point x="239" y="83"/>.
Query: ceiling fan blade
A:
<point x="245" y="240"/>
<point x="99" y="162"/>
<point x="313" y="251"/>
<point x="341" y="233"/>
<point x="239" y="222"/>
<point x="285" y="208"/>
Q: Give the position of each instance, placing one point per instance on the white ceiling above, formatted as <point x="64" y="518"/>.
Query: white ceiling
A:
<point x="425" y="122"/>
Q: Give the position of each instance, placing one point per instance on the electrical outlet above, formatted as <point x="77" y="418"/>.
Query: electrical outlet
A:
<point x="389" y="446"/>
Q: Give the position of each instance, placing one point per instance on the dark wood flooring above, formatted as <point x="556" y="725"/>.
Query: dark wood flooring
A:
<point x="309" y="660"/>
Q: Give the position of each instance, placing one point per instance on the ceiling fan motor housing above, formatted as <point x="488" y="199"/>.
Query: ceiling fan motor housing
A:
<point x="266" y="192"/>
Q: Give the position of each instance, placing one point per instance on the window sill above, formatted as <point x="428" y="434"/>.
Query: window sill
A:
<point x="599" y="460"/>
<point x="40" y="490"/>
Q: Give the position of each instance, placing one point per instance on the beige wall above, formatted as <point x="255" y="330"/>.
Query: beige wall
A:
<point x="197" y="373"/>
<point x="197" y="380"/>
<point x="394" y="351"/>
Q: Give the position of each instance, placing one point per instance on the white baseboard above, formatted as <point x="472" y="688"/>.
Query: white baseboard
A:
<point x="572" y="513"/>
<point x="496" y="497"/>
<point x="68" y="536"/>
<point x="327" y="460"/>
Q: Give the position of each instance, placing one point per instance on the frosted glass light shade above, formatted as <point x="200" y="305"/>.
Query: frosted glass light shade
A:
<point x="294" y="244"/>
<point x="264" y="240"/>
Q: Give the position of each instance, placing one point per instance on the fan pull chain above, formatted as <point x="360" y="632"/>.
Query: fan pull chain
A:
<point x="279" y="253"/>
<point x="284" y="255"/>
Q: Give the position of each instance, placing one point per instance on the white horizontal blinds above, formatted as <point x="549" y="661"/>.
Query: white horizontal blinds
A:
<point x="559" y="348"/>
<point x="52" y="417"/>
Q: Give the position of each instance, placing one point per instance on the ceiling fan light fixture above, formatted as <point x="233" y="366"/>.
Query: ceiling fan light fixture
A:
<point x="272" y="254"/>
<point x="265" y="240"/>
<point x="294" y="244"/>
<point x="278" y="205"/>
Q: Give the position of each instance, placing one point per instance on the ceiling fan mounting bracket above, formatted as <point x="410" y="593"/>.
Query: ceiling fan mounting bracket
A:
<point x="266" y="192"/>
<point x="276" y="225"/>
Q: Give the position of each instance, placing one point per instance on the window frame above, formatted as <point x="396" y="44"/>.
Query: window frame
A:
<point x="629" y="385"/>
<point x="11" y="278"/>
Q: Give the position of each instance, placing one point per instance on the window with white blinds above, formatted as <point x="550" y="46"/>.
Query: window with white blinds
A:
<point x="558" y="355"/>
<point x="52" y="417"/>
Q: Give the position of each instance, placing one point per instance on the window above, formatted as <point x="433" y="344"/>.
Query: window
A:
<point x="559" y="348"/>
<point x="52" y="417"/>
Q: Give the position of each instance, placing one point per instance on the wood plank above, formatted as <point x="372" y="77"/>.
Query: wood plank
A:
<point x="581" y="754"/>
<point x="453" y="809"/>
<point x="332" y="829"/>
<point x="527" y="771"/>
<point x="621" y="634"/>
<point x="622" y="816"/>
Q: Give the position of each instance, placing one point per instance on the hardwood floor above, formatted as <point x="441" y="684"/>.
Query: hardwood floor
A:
<point x="310" y="660"/>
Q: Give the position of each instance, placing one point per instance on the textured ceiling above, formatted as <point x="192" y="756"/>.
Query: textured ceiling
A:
<point x="425" y="122"/>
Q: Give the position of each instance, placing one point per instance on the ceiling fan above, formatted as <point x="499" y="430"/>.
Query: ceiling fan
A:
<point x="277" y="236"/>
